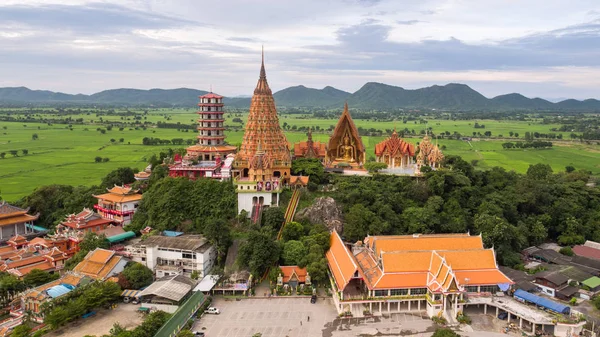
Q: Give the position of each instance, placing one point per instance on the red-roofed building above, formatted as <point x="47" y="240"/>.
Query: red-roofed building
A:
<point x="310" y="149"/>
<point x="590" y="250"/>
<point x="293" y="276"/>
<point x="412" y="272"/>
<point x="85" y="221"/>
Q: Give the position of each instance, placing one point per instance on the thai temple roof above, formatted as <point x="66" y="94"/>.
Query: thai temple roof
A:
<point x="441" y="263"/>
<point x="395" y="146"/>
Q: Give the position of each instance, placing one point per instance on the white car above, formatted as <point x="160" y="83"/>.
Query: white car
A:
<point x="212" y="310"/>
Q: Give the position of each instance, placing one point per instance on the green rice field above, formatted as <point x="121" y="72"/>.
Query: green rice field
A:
<point x="62" y="156"/>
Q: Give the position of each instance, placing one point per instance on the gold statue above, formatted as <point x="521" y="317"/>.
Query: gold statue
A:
<point x="346" y="151"/>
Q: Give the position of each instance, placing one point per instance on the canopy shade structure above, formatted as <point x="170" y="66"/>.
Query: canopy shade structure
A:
<point x="121" y="237"/>
<point x="542" y="302"/>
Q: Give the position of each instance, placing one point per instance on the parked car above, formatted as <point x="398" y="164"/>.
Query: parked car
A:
<point x="503" y="316"/>
<point x="313" y="299"/>
<point x="199" y="334"/>
<point x="212" y="310"/>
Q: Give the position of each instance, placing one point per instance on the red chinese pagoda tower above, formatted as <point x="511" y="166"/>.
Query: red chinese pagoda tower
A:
<point x="264" y="161"/>
<point x="211" y="157"/>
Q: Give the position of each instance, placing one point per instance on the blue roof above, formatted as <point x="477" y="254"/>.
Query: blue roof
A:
<point x="172" y="233"/>
<point x="59" y="290"/>
<point x="542" y="302"/>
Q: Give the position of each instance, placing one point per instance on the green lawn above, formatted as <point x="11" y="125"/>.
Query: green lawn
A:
<point x="67" y="157"/>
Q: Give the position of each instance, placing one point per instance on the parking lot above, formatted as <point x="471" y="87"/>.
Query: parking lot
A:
<point x="273" y="317"/>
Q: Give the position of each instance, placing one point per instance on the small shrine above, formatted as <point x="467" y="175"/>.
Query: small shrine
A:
<point x="346" y="149"/>
<point x="310" y="148"/>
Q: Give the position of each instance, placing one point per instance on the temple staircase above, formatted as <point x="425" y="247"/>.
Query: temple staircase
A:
<point x="256" y="213"/>
<point x="290" y="211"/>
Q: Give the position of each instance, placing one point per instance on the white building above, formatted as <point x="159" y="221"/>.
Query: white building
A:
<point x="167" y="255"/>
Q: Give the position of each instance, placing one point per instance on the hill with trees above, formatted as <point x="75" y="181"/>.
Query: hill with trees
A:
<point x="371" y="96"/>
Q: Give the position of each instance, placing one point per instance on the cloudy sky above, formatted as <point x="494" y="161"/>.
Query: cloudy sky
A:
<point x="541" y="48"/>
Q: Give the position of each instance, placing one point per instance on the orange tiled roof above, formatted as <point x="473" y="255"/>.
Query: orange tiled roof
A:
<point x="402" y="280"/>
<point x="401" y="267"/>
<point x="123" y="190"/>
<point x="21" y="218"/>
<point x="302" y="180"/>
<point x="482" y="277"/>
<point x="20" y="272"/>
<point x="119" y="197"/>
<point x="22" y="262"/>
<point x="470" y="259"/>
<point x="18" y="239"/>
<point x="98" y="263"/>
<point x="340" y="260"/>
<point x="288" y="271"/>
<point x="418" y="261"/>
<point x="424" y="242"/>
<point x="7" y="210"/>
<point x="39" y="241"/>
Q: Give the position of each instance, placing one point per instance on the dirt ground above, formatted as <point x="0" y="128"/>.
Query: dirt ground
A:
<point x="102" y="322"/>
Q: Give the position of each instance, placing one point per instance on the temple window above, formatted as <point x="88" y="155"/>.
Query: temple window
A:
<point x="398" y="292"/>
<point x="489" y="289"/>
<point x="418" y="291"/>
<point x="381" y="293"/>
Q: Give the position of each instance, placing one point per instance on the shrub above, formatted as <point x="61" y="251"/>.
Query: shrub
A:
<point x="568" y="251"/>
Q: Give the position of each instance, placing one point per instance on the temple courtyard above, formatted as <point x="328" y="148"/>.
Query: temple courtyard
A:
<point x="288" y="317"/>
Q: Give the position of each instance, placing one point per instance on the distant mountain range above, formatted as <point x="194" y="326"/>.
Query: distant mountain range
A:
<point x="372" y="96"/>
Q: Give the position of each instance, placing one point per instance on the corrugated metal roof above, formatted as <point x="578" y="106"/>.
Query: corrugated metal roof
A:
<point x="173" y="287"/>
<point x="543" y="302"/>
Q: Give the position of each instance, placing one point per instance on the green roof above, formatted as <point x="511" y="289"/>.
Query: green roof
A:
<point x="181" y="316"/>
<point x="592" y="282"/>
<point x="121" y="237"/>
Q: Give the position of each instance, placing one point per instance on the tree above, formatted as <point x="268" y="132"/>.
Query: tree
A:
<point x="373" y="167"/>
<point x="218" y="233"/>
<point x="105" y="160"/>
<point x="120" y="176"/>
<point x="121" y="140"/>
<point x="34" y="136"/>
<point x="14" y="153"/>
<point x="137" y="275"/>
<point x="259" y="252"/>
<point x="2" y="155"/>
<point x="38" y="277"/>
<point x="292" y="231"/>
<point x="22" y="330"/>
<point x="311" y="167"/>
<point x="25" y="152"/>
<point x="444" y="332"/>
<point x="273" y="217"/>
<point x="92" y="241"/>
<point x="112" y="140"/>
<point x="195" y="275"/>
<point x="98" y="159"/>
<point x="539" y="171"/>
<point x="569" y="169"/>
<point x="294" y="253"/>
<point x="185" y="333"/>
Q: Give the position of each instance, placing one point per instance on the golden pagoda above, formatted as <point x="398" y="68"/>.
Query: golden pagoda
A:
<point x="263" y="129"/>
<point x="264" y="161"/>
<point x="345" y="148"/>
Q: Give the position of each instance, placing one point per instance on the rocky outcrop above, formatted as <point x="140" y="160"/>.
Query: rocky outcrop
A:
<point x="325" y="211"/>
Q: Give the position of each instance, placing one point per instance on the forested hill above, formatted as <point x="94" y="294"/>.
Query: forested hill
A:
<point x="372" y="96"/>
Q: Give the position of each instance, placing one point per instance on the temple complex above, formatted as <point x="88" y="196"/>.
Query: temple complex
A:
<point x="424" y="272"/>
<point x="207" y="158"/>
<point x="429" y="154"/>
<point x="14" y="221"/>
<point x="85" y="221"/>
<point x="264" y="161"/>
<point x="346" y="149"/>
<point x="119" y="204"/>
<point x="310" y="149"/>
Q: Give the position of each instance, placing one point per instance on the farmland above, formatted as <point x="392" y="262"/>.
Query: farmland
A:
<point x="65" y="154"/>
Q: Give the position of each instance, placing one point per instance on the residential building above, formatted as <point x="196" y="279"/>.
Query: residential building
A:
<point x="167" y="255"/>
<point x="14" y="221"/>
<point x="432" y="273"/>
<point x="119" y="204"/>
<point x="101" y="264"/>
<point x="589" y="249"/>
<point x="550" y="282"/>
<point x="167" y="293"/>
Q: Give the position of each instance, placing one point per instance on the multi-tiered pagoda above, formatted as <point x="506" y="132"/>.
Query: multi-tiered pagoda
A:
<point x="264" y="161"/>
<point x="208" y="158"/>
